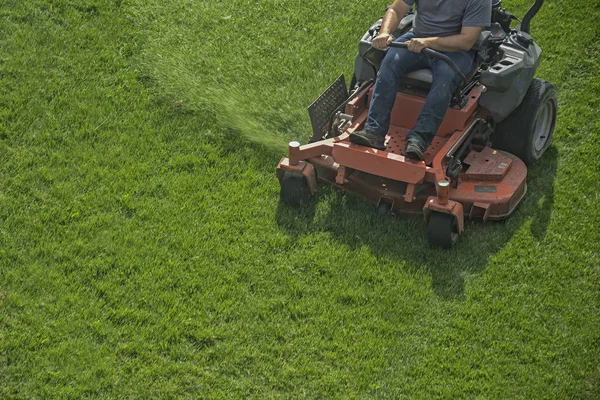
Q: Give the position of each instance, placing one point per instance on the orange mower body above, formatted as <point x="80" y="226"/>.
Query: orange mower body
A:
<point x="489" y="186"/>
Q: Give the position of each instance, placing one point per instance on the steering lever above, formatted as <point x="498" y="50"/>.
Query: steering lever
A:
<point x="432" y="53"/>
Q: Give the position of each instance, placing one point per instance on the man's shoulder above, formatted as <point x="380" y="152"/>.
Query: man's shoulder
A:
<point x="478" y="3"/>
<point x="478" y="13"/>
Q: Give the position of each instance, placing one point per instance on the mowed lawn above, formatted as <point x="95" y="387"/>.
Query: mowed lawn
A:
<point x="144" y="252"/>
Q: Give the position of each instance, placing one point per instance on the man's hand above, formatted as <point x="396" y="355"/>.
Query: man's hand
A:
<point x="382" y="41"/>
<point x="418" y="44"/>
<point x="461" y="42"/>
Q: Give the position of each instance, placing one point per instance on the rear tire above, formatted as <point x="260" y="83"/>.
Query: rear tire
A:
<point x="294" y="189"/>
<point x="527" y="131"/>
<point x="442" y="230"/>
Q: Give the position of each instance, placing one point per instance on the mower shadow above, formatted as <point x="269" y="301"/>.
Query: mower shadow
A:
<point x="402" y="240"/>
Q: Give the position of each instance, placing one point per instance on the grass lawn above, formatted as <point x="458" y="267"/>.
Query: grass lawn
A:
<point x="144" y="252"/>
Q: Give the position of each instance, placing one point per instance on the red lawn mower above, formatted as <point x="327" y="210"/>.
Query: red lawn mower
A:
<point x="500" y="120"/>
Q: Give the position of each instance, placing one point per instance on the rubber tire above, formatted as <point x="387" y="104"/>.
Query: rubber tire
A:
<point x="442" y="230"/>
<point x="294" y="189"/>
<point x="517" y="133"/>
<point x="384" y="208"/>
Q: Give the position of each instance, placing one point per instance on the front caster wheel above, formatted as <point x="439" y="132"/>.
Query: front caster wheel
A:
<point x="294" y="189"/>
<point x="384" y="208"/>
<point x="442" y="230"/>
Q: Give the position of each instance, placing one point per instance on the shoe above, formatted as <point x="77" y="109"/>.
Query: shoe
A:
<point x="369" y="139"/>
<point x="413" y="150"/>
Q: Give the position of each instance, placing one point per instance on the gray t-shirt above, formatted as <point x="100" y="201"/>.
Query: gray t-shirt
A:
<point x="447" y="17"/>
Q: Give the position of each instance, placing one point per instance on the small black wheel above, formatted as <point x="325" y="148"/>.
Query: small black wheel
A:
<point x="442" y="230"/>
<point x="294" y="189"/>
<point x="384" y="208"/>
<point x="527" y="131"/>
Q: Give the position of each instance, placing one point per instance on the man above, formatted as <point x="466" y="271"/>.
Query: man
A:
<point x="448" y="26"/>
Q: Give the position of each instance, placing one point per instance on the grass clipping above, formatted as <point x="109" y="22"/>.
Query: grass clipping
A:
<point x="232" y="107"/>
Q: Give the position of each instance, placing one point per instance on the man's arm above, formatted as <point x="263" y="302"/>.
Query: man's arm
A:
<point x="390" y="22"/>
<point x="463" y="41"/>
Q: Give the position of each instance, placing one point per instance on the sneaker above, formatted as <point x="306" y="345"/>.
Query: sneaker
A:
<point x="413" y="150"/>
<point x="369" y="139"/>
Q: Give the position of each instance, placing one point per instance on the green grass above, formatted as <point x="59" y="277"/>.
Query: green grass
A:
<point x="144" y="252"/>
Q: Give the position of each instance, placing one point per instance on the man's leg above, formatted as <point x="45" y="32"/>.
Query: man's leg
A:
<point x="395" y="65"/>
<point x="444" y="84"/>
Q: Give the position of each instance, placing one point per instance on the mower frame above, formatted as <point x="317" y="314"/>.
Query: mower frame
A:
<point x="462" y="175"/>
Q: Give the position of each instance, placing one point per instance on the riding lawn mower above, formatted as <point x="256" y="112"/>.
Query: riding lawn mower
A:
<point x="500" y="120"/>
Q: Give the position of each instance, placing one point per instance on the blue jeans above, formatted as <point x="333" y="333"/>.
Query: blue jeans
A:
<point x="395" y="65"/>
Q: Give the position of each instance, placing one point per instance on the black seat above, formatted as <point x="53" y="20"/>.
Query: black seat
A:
<point x="422" y="78"/>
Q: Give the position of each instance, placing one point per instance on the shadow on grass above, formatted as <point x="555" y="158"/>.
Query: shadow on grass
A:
<point x="354" y="222"/>
<point x="397" y="239"/>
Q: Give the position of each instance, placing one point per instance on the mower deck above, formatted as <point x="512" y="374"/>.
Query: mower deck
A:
<point x="490" y="188"/>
